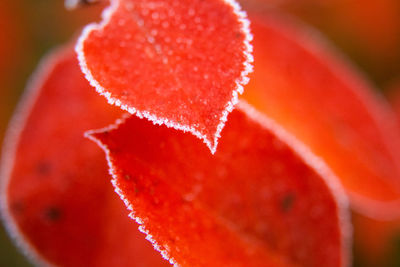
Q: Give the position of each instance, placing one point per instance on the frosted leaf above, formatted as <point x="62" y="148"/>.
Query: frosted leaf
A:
<point x="233" y="207"/>
<point x="154" y="68"/>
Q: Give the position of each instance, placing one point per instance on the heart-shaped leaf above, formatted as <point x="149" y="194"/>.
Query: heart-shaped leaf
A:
<point x="181" y="64"/>
<point x="56" y="195"/>
<point x="261" y="200"/>
<point x="310" y="91"/>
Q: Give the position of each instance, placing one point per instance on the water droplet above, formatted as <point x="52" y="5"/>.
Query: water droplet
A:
<point x="165" y="24"/>
<point x="121" y="22"/>
<point x="191" y="12"/>
<point x="140" y="22"/>
<point x="155" y="16"/>
<point x="154" y="32"/>
<point x="128" y="36"/>
<point x="129" y="6"/>
<point x="145" y="12"/>
<point x="150" y="39"/>
<point x="171" y="13"/>
<point x="157" y="47"/>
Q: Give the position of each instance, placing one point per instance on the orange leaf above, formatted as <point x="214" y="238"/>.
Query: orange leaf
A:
<point x="56" y="196"/>
<point x="369" y="32"/>
<point x="315" y="95"/>
<point x="261" y="200"/>
<point x="393" y="94"/>
<point x="181" y="64"/>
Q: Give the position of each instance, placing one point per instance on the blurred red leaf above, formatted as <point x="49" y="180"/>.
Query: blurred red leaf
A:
<point x="56" y="196"/>
<point x="308" y="89"/>
<point x="371" y="25"/>
<point x="393" y="94"/>
<point x="181" y="64"/>
<point x="377" y="241"/>
<point x="368" y="31"/>
<point x="261" y="200"/>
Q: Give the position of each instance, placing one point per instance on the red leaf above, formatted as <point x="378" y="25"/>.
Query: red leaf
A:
<point x="312" y="93"/>
<point x="393" y="94"/>
<point x="376" y="242"/>
<point x="179" y="64"/>
<point x="256" y="202"/>
<point x="369" y="33"/>
<point x="57" y="199"/>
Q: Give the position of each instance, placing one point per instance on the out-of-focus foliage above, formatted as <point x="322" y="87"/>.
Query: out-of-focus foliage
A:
<point x="367" y="31"/>
<point x="29" y="29"/>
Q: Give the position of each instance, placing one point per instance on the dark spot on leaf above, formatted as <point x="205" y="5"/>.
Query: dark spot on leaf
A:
<point x="17" y="207"/>
<point x="287" y="202"/>
<point x="124" y="93"/>
<point x="127" y="177"/>
<point x="52" y="214"/>
<point x="43" y="168"/>
<point x="113" y="150"/>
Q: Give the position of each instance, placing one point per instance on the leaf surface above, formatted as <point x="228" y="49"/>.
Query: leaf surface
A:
<point x="181" y="64"/>
<point x="310" y="91"/>
<point x="57" y="199"/>
<point x="256" y="202"/>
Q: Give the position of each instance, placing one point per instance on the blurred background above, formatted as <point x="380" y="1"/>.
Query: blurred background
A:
<point x="29" y="29"/>
<point x="367" y="32"/>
